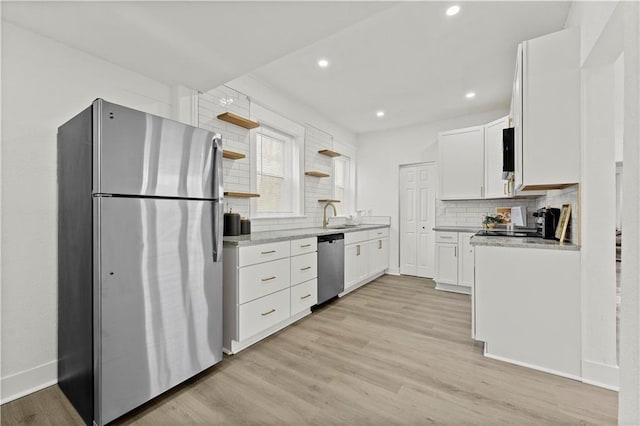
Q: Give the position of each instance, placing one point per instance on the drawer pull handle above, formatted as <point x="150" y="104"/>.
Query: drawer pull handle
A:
<point x="306" y="245"/>
<point x="264" y="314"/>
<point x="304" y="297"/>
<point x="268" y="252"/>
<point x="446" y="238"/>
<point x="306" y="268"/>
<point x="268" y="279"/>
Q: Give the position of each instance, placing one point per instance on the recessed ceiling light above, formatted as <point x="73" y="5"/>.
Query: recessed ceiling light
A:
<point x="470" y="95"/>
<point x="323" y="63"/>
<point x="380" y="113"/>
<point x="453" y="10"/>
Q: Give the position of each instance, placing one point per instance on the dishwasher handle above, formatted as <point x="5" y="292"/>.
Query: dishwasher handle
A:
<point x="330" y="238"/>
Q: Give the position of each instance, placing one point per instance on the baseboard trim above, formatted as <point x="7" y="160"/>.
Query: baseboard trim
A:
<point x="532" y="366"/>
<point x="28" y="381"/>
<point x="393" y="271"/>
<point x="452" y="288"/>
<point x="601" y="375"/>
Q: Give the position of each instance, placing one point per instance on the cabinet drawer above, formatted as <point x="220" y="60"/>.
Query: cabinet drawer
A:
<point x="304" y="245"/>
<point x="263" y="313"/>
<point x="263" y="253"/>
<point x="304" y="296"/>
<point x="378" y="233"/>
<point x="304" y="268"/>
<point x="447" y="237"/>
<point x="355" y="237"/>
<point x="259" y="280"/>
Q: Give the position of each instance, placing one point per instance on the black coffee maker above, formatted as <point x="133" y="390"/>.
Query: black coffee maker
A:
<point x="547" y="219"/>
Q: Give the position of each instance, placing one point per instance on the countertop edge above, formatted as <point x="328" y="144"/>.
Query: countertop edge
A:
<point x="518" y="242"/>
<point x="290" y="234"/>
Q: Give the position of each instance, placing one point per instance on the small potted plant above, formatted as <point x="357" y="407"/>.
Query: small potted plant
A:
<point x="491" y="221"/>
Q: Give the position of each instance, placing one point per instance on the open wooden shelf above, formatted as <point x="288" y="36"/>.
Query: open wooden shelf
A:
<point x="329" y="153"/>
<point x="328" y="201"/>
<point x="232" y="118"/>
<point x="240" y="195"/>
<point x="231" y="155"/>
<point x="317" y="174"/>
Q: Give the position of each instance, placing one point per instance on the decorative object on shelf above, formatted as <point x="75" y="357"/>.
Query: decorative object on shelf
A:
<point x="317" y="174"/>
<point x="245" y="226"/>
<point x="329" y="153"/>
<point x="231" y="223"/>
<point x="563" y="223"/>
<point x="231" y="155"/>
<point x="240" y="194"/>
<point x="490" y="222"/>
<point x="232" y="118"/>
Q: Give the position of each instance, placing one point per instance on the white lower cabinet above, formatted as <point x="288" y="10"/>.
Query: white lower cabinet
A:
<point x="263" y="313"/>
<point x="366" y="256"/>
<point x="265" y="288"/>
<point x="454" y="262"/>
<point x="304" y="296"/>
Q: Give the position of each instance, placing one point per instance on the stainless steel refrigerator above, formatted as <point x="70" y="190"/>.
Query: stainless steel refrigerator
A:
<point x="139" y="257"/>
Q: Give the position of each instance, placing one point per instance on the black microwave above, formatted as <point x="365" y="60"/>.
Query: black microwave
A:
<point x="508" y="155"/>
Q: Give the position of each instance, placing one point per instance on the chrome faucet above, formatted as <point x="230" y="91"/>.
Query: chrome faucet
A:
<point x="325" y="219"/>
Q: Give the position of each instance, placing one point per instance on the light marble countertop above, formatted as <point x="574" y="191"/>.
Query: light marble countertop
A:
<point x="292" y="234"/>
<point x="519" y="242"/>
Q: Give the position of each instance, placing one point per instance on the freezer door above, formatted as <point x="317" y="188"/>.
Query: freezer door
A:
<point x="142" y="154"/>
<point x="159" y="316"/>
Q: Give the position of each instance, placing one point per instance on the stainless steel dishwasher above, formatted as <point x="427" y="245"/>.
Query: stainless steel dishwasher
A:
<point x="330" y="266"/>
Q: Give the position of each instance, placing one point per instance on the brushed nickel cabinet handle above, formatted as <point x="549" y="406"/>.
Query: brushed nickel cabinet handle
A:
<point x="304" y="269"/>
<point x="444" y="237"/>
<point x="268" y="252"/>
<point x="306" y="245"/>
<point x="358" y="250"/>
<point x="268" y="279"/>
<point x="379" y="244"/>
<point x="264" y="314"/>
<point x="304" y="297"/>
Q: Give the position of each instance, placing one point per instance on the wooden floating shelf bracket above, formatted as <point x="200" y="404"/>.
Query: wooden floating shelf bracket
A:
<point x="329" y="153"/>
<point x="232" y="155"/>
<point x="240" y="195"/>
<point x="232" y="118"/>
<point x="317" y="174"/>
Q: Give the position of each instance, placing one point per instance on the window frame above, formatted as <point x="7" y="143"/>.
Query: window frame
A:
<point x="278" y="127"/>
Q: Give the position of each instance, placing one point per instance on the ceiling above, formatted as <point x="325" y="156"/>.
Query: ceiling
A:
<point x="415" y="63"/>
<point x="406" y="58"/>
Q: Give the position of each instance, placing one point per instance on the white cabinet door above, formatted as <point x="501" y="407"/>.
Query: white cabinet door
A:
<point x="350" y="265"/>
<point x="447" y="263"/>
<point x="378" y="255"/>
<point x="362" y="261"/>
<point x="461" y="163"/>
<point x="465" y="260"/>
<point x="550" y="119"/>
<point x="495" y="186"/>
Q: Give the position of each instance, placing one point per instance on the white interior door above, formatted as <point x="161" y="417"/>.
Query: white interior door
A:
<point x="417" y="219"/>
<point x="408" y="221"/>
<point x="426" y="200"/>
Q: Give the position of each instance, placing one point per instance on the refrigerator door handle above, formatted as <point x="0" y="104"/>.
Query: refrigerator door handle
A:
<point x="217" y="230"/>
<point x="218" y="191"/>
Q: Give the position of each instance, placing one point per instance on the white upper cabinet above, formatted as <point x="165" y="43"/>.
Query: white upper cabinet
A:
<point x="546" y="111"/>
<point x="495" y="186"/>
<point x="461" y="164"/>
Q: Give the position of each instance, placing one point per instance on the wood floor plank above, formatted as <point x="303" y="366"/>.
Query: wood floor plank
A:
<point x="395" y="351"/>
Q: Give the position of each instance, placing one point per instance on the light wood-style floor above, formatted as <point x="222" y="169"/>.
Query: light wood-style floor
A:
<point x="394" y="352"/>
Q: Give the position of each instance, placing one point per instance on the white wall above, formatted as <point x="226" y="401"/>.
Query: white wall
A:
<point x="381" y="153"/>
<point x="44" y="83"/>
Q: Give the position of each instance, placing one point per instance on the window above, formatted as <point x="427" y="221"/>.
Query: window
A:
<point x="276" y="165"/>
<point x="341" y="184"/>
<point x="275" y="171"/>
